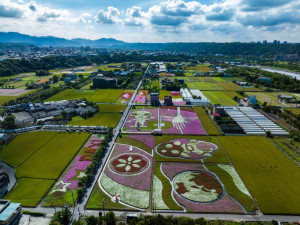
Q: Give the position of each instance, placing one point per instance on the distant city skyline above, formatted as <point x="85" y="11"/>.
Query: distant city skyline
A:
<point x="155" y="21"/>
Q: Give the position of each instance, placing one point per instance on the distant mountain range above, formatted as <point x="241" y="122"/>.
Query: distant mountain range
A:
<point x="205" y="48"/>
<point x="46" y="41"/>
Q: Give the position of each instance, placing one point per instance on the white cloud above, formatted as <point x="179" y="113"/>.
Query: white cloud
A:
<point x="110" y="16"/>
<point x="9" y="9"/>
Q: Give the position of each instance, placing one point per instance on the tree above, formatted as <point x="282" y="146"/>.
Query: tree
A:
<point x="92" y="220"/>
<point x="9" y="122"/>
<point x="55" y="79"/>
<point x="110" y="218"/>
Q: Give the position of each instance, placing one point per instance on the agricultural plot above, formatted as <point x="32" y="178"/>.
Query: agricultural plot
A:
<point x="177" y="98"/>
<point x="180" y="120"/>
<point x="199" y="68"/>
<point x="100" y="95"/>
<point x="125" y="97"/>
<point x="13" y="92"/>
<point x="265" y="97"/>
<point x="40" y="162"/>
<point x="219" y="97"/>
<point x="140" y="98"/>
<point x="199" y="79"/>
<point x="61" y="193"/>
<point x="143" y="119"/>
<point x="163" y="93"/>
<point x="128" y="176"/>
<point x="108" y="108"/>
<point x="270" y="176"/>
<point x="206" y="121"/>
<point x="204" y="86"/>
<point x="227" y="79"/>
<point x="99" y="119"/>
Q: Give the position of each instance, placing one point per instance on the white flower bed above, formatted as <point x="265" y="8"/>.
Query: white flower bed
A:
<point x="236" y="179"/>
<point x="130" y="196"/>
<point x="157" y="194"/>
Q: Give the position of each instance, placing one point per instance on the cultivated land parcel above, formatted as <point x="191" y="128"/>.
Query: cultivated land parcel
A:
<point x="39" y="158"/>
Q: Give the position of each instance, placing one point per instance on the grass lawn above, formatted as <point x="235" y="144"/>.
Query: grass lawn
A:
<point x="129" y="141"/>
<point x="206" y="121"/>
<point x="163" y="93"/>
<point x="23" y="146"/>
<point x="266" y="97"/>
<point x="98" y="197"/>
<point x="99" y="119"/>
<point x="52" y="158"/>
<point x="202" y="86"/>
<point x="219" y="97"/>
<point x="111" y="108"/>
<point x="270" y="176"/>
<point x="29" y="191"/>
<point x="99" y="95"/>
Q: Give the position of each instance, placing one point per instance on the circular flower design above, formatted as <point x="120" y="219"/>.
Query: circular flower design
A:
<point x="186" y="148"/>
<point x="198" y="186"/>
<point x="129" y="163"/>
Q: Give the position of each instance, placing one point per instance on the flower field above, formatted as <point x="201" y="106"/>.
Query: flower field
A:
<point x="128" y="174"/>
<point x="140" y="98"/>
<point x="125" y="97"/>
<point x="184" y="120"/>
<point x="141" y="119"/>
<point x="60" y="193"/>
<point x="186" y="148"/>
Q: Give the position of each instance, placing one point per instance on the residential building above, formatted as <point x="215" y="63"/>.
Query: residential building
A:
<point x="10" y="213"/>
<point x="168" y="101"/>
<point x="155" y="99"/>
<point x="41" y="83"/>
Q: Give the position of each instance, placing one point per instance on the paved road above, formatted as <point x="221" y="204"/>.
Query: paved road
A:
<point x="79" y="209"/>
<point x="234" y="217"/>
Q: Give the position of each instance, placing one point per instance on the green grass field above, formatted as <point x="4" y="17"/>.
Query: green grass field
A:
<point x="230" y="86"/>
<point x="40" y="158"/>
<point x="232" y="94"/>
<point x="29" y="191"/>
<point x="219" y="97"/>
<point x="129" y="141"/>
<point x="199" y="68"/>
<point x="163" y="93"/>
<point x="51" y="159"/>
<point x="4" y="99"/>
<point x="270" y="176"/>
<point x="227" y="79"/>
<point x="204" y="86"/>
<point x="99" y="119"/>
<point x="270" y="97"/>
<point x="100" y="95"/>
<point x="295" y="111"/>
<point x="111" y="108"/>
<point x="206" y="121"/>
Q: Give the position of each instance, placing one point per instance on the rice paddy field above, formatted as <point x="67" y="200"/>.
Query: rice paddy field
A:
<point x="111" y="107"/>
<point x="230" y="86"/>
<point x="199" y="68"/>
<point x="270" y="176"/>
<point x="219" y="97"/>
<point x="40" y="158"/>
<point x="99" y="119"/>
<point x="204" y="86"/>
<point x="99" y="95"/>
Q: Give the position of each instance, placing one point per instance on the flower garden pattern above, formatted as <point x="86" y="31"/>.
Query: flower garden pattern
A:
<point x="183" y="119"/>
<point x="128" y="168"/>
<point x="70" y="179"/>
<point x="125" y="97"/>
<point x="198" y="189"/>
<point x="186" y="148"/>
<point x="141" y="119"/>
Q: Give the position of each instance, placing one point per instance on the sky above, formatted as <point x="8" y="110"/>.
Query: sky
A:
<point x="155" y="21"/>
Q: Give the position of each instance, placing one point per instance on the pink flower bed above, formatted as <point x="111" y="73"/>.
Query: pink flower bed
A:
<point x="191" y="124"/>
<point x="81" y="162"/>
<point x="132" y="119"/>
<point x="175" y="93"/>
<point x="12" y="92"/>
<point x="146" y="139"/>
<point x="140" y="97"/>
<point x="141" y="181"/>
<point x="224" y="205"/>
